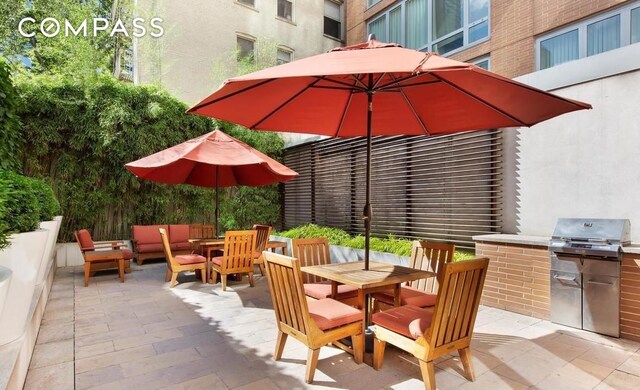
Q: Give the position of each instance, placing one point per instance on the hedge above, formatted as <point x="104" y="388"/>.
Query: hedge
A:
<point x="397" y="246"/>
<point x="79" y="134"/>
<point x="10" y="137"/>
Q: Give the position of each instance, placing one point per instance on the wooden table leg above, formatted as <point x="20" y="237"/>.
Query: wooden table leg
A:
<point x="121" y="269"/>
<point x="396" y="295"/>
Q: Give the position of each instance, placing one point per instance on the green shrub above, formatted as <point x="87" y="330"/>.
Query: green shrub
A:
<point x="10" y="136"/>
<point x="4" y="225"/>
<point x="21" y="207"/>
<point x="391" y="244"/>
<point x="49" y="205"/>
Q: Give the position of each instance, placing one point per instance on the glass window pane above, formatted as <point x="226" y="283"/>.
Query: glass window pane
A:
<point x="603" y="35"/>
<point x="245" y="49"/>
<point x="635" y="25"/>
<point x="379" y="28"/>
<point x="331" y="10"/>
<point x="483" y="64"/>
<point x="559" y="49"/>
<point x="416" y="19"/>
<point x="479" y="31"/>
<point x="449" y="44"/>
<point x="478" y="9"/>
<point x="284" y="9"/>
<point x="283" y="57"/>
<point x="371" y="2"/>
<point x="395" y="25"/>
<point x="332" y="28"/>
<point x="447" y="17"/>
<point x="247" y="2"/>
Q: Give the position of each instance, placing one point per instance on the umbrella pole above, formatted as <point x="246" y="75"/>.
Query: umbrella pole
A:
<point x="367" y="204"/>
<point x="217" y="200"/>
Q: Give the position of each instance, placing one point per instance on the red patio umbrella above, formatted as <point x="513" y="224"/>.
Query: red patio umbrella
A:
<point x="215" y="160"/>
<point x="374" y="89"/>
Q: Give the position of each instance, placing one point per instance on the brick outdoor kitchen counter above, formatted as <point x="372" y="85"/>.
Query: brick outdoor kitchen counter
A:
<point x="518" y="278"/>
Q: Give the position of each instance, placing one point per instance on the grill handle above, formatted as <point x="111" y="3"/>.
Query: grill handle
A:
<point x="599" y="283"/>
<point x="565" y="278"/>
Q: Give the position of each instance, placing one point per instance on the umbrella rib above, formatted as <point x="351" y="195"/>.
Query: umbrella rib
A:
<point x="413" y="110"/>
<point x="269" y="115"/>
<point x="358" y="81"/>
<point x="396" y="82"/>
<point x="336" y="88"/>
<point x="344" y="114"/>
<point x="350" y="86"/>
<point x="476" y="98"/>
<point x="199" y="106"/>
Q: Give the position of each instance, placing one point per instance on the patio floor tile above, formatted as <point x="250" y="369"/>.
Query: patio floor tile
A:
<point x="141" y="334"/>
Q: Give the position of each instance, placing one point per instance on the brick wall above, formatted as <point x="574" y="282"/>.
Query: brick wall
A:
<point x="518" y="278"/>
<point x="630" y="297"/>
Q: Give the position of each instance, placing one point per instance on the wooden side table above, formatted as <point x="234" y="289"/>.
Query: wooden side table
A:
<point x="102" y="256"/>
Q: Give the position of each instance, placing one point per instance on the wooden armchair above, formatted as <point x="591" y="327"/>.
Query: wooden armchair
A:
<point x="315" y="251"/>
<point x="314" y="323"/>
<point x="181" y="263"/>
<point x="428" y="334"/>
<point x="262" y="239"/>
<point x="427" y="256"/>
<point x="202" y="231"/>
<point x="239" y="252"/>
<point x="102" y="255"/>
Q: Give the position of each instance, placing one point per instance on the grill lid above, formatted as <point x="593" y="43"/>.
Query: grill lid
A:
<point x="590" y="236"/>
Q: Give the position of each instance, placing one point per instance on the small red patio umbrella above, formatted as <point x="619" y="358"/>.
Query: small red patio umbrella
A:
<point x="215" y="160"/>
<point x="374" y="89"/>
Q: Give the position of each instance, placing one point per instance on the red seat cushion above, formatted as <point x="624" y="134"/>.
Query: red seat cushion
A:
<point x="85" y="240"/>
<point x="408" y="296"/>
<point x="148" y="234"/>
<point x="329" y="313"/>
<point x="180" y="246"/>
<point x="323" y="290"/>
<point x="178" y="234"/>
<point x="150" y="248"/>
<point x="127" y="254"/>
<point x="189" y="259"/>
<point x="217" y="260"/>
<point x="410" y="321"/>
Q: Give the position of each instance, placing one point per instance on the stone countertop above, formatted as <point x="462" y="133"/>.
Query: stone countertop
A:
<point x="514" y="239"/>
<point x="537" y="241"/>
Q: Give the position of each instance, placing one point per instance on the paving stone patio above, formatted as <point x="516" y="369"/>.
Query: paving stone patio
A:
<point x="141" y="334"/>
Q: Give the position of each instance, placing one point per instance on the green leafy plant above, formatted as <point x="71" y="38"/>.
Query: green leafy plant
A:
<point x="48" y="204"/>
<point x="10" y="137"/>
<point x="79" y="135"/>
<point x="21" y="206"/>
<point x="391" y="244"/>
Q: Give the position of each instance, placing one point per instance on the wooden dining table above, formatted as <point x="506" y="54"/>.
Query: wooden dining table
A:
<point x="379" y="277"/>
<point x="209" y="245"/>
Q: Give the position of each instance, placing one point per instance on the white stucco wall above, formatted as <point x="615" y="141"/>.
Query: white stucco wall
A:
<point x="582" y="164"/>
<point x="200" y="40"/>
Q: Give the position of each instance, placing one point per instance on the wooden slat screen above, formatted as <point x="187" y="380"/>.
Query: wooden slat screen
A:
<point x="445" y="188"/>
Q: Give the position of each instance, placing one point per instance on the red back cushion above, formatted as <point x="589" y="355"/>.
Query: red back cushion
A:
<point x="147" y="234"/>
<point x="85" y="240"/>
<point x="178" y="233"/>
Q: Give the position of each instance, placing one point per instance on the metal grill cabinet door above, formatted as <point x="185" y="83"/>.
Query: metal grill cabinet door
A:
<point x="566" y="291"/>
<point x="601" y="303"/>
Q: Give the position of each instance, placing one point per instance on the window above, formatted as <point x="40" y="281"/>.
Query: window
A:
<point x="332" y="18"/>
<point x="283" y="56"/>
<point x="562" y="48"/>
<point x="245" y="47"/>
<point x="250" y="3"/>
<point x="483" y="62"/>
<point x="635" y="25"/>
<point x="371" y="3"/>
<point x="442" y="26"/>
<point x="599" y="34"/>
<point x="285" y="9"/>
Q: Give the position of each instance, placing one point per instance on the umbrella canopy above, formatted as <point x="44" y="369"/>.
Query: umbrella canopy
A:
<point x="215" y="160"/>
<point x="375" y="88"/>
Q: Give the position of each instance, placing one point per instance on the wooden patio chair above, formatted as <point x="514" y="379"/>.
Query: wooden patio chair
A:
<point x="429" y="334"/>
<point x="315" y="251"/>
<point x="237" y="258"/>
<point x="99" y="255"/>
<point x="202" y="231"/>
<point x="315" y="323"/>
<point x="262" y="238"/>
<point x="427" y="256"/>
<point x="181" y="263"/>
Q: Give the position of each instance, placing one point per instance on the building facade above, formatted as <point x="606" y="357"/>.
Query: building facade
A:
<point x="582" y="164"/>
<point x="204" y="40"/>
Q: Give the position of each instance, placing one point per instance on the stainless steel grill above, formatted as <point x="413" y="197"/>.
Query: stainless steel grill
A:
<point x="585" y="273"/>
